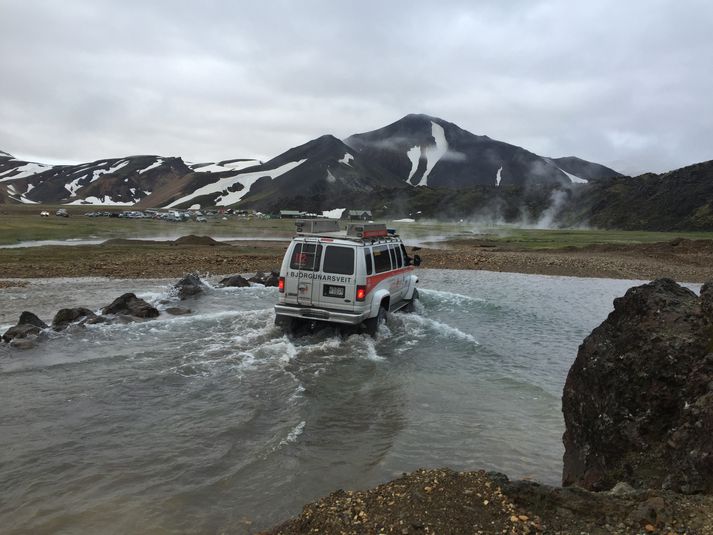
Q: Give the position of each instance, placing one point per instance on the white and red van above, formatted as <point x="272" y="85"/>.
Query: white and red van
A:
<point x="353" y="277"/>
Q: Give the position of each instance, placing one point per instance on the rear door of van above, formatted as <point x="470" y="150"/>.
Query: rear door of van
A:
<point x="334" y="285"/>
<point x="305" y="259"/>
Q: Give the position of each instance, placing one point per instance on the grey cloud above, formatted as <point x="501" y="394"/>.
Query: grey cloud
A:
<point x="619" y="84"/>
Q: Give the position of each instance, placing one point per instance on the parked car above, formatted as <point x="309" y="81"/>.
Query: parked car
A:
<point x="44" y="213"/>
<point x="62" y="213"/>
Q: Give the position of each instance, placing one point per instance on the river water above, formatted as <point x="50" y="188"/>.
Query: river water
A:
<point x="218" y="422"/>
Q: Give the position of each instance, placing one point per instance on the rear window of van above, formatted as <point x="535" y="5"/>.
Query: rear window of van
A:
<point x="339" y="260"/>
<point x="306" y="256"/>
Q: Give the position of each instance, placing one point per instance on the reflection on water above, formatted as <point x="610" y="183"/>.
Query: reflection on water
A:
<point x="218" y="422"/>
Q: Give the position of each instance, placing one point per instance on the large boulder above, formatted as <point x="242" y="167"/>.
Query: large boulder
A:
<point x="27" y="326"/>
<point x="189" y="286"/>
<point x="178" y="311"/>
<point x="67" y="316"/>
<point x="266" y="279"/>
<point x="28" y="318"/>
<point x="237" y="281"/>
<point x="130" y="305"/>
<point x="638" y="400"/>
<point x="272" y="279"/>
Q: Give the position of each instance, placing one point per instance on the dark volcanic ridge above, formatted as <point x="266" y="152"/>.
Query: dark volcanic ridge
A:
<point x="416" y="150"/>
<point x="419" y="167"/>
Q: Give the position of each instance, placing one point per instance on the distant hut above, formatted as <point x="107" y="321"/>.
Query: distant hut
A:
<point x="357" y="215"/>
<point x="290" y="214"/>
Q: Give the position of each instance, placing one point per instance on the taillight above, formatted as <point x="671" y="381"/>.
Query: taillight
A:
<point x="361" y="293"/>
<point x="281" y="285"/>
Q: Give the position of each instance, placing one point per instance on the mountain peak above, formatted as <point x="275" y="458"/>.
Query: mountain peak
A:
<point x="420" y="117"/>
<point x="6" y="154"/>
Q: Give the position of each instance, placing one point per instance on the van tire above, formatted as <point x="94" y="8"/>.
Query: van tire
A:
<point x="372" y="324"/>
<point x="411" y="306"/>
<point x="285" y="323"/>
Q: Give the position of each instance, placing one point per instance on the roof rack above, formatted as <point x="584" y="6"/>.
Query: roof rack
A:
<point x="356" y="232"/>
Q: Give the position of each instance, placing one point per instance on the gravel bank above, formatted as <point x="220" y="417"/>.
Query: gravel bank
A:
<point x="686" y="262"/>
<point x="447" y="502"/>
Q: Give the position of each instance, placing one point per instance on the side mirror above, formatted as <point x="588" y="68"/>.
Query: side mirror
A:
<point x="416" y="260"/>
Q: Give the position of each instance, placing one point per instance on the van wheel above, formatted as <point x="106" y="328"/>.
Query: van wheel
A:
<point x="411" y="306"/>
<point x="285" y="323"/>
<point x="372" y="324"/>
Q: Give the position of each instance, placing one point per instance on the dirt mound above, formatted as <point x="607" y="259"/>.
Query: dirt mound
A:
<point x="192" y="239"/>
<point x="448" y="502"/>
<point x="426" y="501"/>
<point x="127" y="241"/>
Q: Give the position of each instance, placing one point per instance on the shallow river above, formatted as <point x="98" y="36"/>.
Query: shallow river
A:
<point x="217" y="421"/>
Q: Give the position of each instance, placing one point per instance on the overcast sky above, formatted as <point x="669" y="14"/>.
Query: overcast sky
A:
<point x="628" y="84"/>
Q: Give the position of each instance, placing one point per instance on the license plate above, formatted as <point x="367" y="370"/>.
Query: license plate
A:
<point x="333" y="291"/>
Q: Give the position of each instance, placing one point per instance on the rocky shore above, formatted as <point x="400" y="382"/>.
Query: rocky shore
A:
<point x="638" y="410"/>
<point x="30" y="330"/>
<point x="681" y="260"/>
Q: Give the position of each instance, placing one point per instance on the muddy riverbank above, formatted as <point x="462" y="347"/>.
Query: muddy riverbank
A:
<point x="682" y="260"/>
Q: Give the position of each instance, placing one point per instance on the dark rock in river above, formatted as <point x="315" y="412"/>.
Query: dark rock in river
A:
<point x="259" y="277"/>
<point x="28" y="318"/>
<point x="20" y="331"/>
<point x="638" y="400"/>
<point x="66" y="316"/>
<point x="189" y="286"/>
<point x="28" y="325"/>
<point x="24" y="343"/>
<point x="130" y="305"/>
<point x="178" y="311"/>
<point x="235" y="281"/>
<point x="270" y="279"/>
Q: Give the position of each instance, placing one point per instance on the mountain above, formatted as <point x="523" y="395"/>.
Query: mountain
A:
<point x="141" y="181"/>
<point x="678" y="200"/>
<point x="428" y="151"/>
<point x="417" y="150"/>
<point x="578" y="169"/>
<point x="319" y="174"/>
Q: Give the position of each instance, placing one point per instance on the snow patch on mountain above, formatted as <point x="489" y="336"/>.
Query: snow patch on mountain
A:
<point x="73" y="186"/>
<point x="498" y="177"/>
<point x="347" y="158"/>
<point x="216" y="167"/>
<point x="99" y="172"/>
<point x="154" y="165"/>
<point x="24" y="171"/>
<point x="335" y="213"/>
<point x="17" y="196"/>
<point x="245" y="179"/>
<point x="414" y="154"/>
<point x="574" y="178"/>
<point x="433" y="154"/>
<point x="3" y="153"/>
<point x="105" y="201"/>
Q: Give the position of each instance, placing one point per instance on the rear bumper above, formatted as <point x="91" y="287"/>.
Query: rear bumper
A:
<point x="321" y="314"/>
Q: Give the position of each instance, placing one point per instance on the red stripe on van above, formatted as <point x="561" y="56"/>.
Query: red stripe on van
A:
<point x="373" y="280"/>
